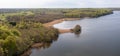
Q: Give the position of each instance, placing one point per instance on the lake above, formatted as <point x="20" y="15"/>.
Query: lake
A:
<point x="99" y="37"/>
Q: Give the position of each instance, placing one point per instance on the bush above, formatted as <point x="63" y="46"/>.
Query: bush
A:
<point x="9" y="45"/>
<point x="77" y="29"/>
<point x="1" y="51"/>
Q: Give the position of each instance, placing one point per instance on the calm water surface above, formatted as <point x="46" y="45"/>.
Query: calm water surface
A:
<point x="99" y="37"/>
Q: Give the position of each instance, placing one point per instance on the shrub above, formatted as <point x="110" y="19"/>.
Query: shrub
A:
<point x="77" y="29"/>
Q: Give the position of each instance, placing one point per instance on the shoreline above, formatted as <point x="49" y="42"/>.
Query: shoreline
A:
<point x="50" y="24"/>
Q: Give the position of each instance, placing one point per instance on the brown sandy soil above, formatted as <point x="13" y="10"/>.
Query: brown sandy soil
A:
<point x="50" y="24"/>
<point x="64" y="30"/>
<point x="27" y="53"/>
<point x="37" y="45"/>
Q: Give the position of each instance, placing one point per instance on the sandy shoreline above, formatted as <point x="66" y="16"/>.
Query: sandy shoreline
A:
<point x="50" y="24"/>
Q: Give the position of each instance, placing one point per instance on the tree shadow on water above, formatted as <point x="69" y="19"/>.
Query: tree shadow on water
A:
<point x="77" y="34"/>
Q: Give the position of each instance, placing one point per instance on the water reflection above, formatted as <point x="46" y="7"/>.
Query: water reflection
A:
<point x="48" y="43"/>
<point x="99" y="37"/>
<point x="44" y="45"/>
<point x="77" y="34"/>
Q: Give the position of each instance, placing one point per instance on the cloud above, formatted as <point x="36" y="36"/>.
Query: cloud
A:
<point x="23" y="3"/>
<point x="58" y="3"/>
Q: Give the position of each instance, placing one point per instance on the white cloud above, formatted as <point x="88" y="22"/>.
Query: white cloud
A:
<point x="58" y="3"/>
<point x="23" y="3"/>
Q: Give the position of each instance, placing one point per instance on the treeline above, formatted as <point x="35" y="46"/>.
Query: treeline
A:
<point x="47" y="15"/>
<point x="14" y="40"/>
<point x="19" y="29"/>
<point x="79" y="13"/>
<point x="34" y="18"/>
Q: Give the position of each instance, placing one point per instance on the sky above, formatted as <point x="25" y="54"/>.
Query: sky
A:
<point x="59" y="3"/>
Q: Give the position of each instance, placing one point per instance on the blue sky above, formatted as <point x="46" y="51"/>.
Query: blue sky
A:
<point x="58" y="3"/>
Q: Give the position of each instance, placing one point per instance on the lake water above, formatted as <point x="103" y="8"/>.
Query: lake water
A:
<point x="99" y="37"/>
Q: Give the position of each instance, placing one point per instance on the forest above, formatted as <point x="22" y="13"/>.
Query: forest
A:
<point x="21" y="28"/>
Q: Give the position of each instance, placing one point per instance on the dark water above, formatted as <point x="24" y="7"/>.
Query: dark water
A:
<point x="99" y="37"/>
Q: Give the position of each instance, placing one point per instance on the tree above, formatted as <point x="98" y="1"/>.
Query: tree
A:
<point x="10" y="46"/>
<point x="77" y="29"/>
<point x="1" y="51"/>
